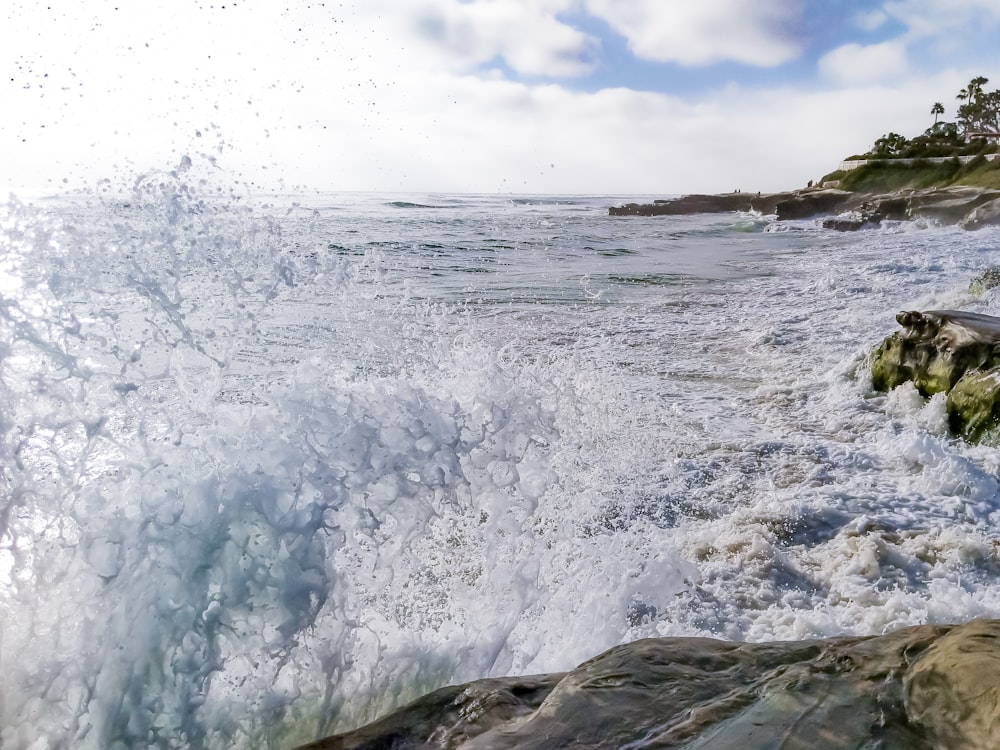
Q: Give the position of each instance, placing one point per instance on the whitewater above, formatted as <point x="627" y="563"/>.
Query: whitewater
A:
<point x="271" y="466"/>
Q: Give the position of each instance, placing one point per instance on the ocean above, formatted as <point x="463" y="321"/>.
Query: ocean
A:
<point x="271" y="466"/>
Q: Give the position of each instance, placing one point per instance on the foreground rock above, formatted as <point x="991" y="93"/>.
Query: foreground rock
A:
<point x="970" y="207"/>
<point x="952" y="352"/>
<point x="916" y="689"/>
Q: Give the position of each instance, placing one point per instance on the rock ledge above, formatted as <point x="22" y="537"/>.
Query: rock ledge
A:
<point x="969" y="207"/>
<point x="919" y="688"/>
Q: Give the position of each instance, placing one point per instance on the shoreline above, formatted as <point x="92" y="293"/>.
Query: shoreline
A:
<point x="969" y="207"/>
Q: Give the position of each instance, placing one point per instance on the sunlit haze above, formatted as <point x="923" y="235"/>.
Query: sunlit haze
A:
<point x="518" y="96"/>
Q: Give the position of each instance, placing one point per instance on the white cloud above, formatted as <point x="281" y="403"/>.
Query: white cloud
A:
<point x="761" y="33"/>
<point x="857" y="64"/>
<point x="359" y="96"/>
<point x="929" y="18"/>
<point x="526" y="35"/>
<point x="443" y="132"/>
<point x="871" y="20"/>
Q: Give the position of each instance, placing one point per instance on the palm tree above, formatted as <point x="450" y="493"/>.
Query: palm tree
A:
<point x="937" y="109"/>
<point x="974" y="90"/>
<point x="972" y="113"/>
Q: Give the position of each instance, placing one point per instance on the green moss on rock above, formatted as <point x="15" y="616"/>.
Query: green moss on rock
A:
<point x="988" y="279"/>
<point x="974" y="405"/>
<point x="947" y="351"/>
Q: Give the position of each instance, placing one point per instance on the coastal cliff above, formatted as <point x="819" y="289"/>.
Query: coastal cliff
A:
<point x="969" y="207"/>
<point x="765" y="203"/>
<point x="932" y="686"/>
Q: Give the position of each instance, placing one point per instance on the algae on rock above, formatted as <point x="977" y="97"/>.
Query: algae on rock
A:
<point x="952" y="352"/>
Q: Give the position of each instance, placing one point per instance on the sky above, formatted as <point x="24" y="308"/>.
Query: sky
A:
<point x="627" y="97"/>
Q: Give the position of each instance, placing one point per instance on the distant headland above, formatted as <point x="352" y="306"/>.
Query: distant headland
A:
<point x="949" y="174"/>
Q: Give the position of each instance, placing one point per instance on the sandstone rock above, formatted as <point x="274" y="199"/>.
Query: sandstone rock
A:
<point x="893" y="206"/>
<point x="953" y="689"/>
<point x="855" y="221"/>
<point x="972" y="207"/>
<point x="946" y="205"/>
<point x="986" y="214"/>
<point x="703" y="204"/>
<point x="947" y="351"/>
<point x="448" y="717"/>
<point x="849" y="223"/>
<point x="919" y="688"/>
<point x="807" y="204"/>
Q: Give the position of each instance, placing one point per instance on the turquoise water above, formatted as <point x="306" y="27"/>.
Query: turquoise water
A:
<point x="270" y="466"/>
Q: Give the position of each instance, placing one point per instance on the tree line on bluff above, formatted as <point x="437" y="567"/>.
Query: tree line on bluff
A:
<point x="976" y="121"/>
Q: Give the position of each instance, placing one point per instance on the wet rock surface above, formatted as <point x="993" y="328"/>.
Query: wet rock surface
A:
<point x="953" y="690"/>
<point x="918" y="688"/>
<point x="952" y="352"/>
<point x="948" y="205"/>
<point x="853" y="223"/>
<point x="704" y="204"/>
<point x="984" y="215"/>
<point x="969" y="207"/>
<point x="812" y="203"/>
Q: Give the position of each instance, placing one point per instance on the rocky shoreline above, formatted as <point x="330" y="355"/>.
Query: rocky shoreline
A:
<point x="968" y="207"/>
<point x="930" y="686"/>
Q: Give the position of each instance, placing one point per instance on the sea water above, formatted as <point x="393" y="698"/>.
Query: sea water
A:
<point x="271" y="466"/>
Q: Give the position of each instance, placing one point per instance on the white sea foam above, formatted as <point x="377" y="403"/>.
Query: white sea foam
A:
<point x="268" y="472"/>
